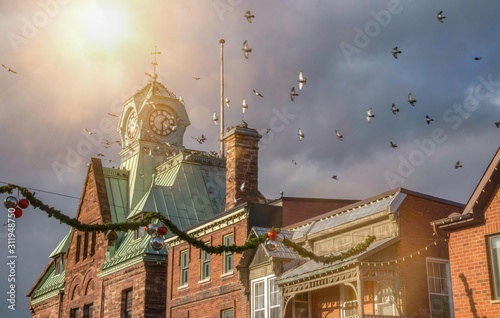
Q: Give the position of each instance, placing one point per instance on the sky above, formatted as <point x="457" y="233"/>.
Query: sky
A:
<point x="76" y="61"/>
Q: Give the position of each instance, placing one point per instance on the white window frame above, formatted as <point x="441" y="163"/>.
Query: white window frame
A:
<point x="448" y="282"/>
<point x="309" y="305"/>
<point x="493" y="266"/>
<point x="184" y="267"/>
<point x="380" y="288"/>
<point x="267" y="295"/>
<point x="227" y="255"/>
<point x="343" y="302"/>
<point x="205" y="259"/>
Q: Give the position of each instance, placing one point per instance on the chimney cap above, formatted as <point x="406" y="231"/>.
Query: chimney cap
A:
<point x="242" y="131"/>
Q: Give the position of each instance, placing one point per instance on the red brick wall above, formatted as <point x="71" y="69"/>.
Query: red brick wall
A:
<point x="416" y="213"/>
<point x="46" y="308"/>
<point x="297" y="210"/>
<point x="326" y="302"/>
<point x="469" y="264"/>
<point x="207" y="299"/>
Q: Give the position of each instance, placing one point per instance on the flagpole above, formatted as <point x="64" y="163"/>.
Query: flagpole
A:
<point x="222" y="97"/>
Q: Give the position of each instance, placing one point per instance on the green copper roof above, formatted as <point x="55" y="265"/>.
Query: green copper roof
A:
<point x="50" y="282"/>
<point x="62" y="247"/>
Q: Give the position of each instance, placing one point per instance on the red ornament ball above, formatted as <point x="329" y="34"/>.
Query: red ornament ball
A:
<point x="162" y="230"/>
<point x="18" y="212"/>
<point x="24" y="203"/>
<point x="272" y="235"/>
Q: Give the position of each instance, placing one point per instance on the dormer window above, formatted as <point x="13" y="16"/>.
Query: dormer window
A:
<point x="58" y="265"/>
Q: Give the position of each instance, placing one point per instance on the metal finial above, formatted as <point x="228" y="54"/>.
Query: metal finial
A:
<point x="154" y="76"/>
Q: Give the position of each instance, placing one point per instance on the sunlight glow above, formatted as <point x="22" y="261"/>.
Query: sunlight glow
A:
<point x="103" y="23"/>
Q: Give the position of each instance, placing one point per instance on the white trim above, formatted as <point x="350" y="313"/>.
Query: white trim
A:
<point x="448" y="282"/>
<point x="267" y="295"/>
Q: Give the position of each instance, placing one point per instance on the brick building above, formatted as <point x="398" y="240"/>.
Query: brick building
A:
<point x="117" y="274"/>
<point x="389" y="279"/>
<point x="474" y="241"/>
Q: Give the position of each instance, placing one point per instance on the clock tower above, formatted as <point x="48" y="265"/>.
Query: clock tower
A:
<point x="151" y="126"/>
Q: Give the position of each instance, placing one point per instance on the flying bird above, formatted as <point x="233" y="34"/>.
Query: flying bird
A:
<point x="257" y="93"/>
<point x="181" y="100"/>
<point x="201" y="139"/>
<point x="9" y="70"/>
<point x="196" y="78"/>
<point x="294" y="162"/>
<point x="243" y="186"/>
<point x="458" y="165"/>
<point x="246" y="49"/>
<point x="302" y="80"/>
<point x="477" y="58"/>
<point x="301" y="135"/>
<point x="369" y="115"/>
<point x="89" y="132"/>
<point x="215" y="119"/>
<point x="293" y="94"/>
<point x="393" y="145"/>
<point x="395" y="52"/>
<point x="141" y="175"/>
<point x="339" y="135"/>
<point x="394" y="109"/>
<point x="109" y="160"/>
<point x="244" y="106"/>
<point x="411" y="100"/>
<point x="112" y="115"/>
<point x="334" y="177"/>
<point x="440" y="16"/>
<point x="428" y="119"/>
<point x="497" y="124"/>
<point x="249" y="16"/>
<point x="227" y="101"/>
<point x="100" y="155"/>
<point x="268" y="130"/>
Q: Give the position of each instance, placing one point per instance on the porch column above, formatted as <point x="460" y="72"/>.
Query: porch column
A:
<point x="361" y="292"/>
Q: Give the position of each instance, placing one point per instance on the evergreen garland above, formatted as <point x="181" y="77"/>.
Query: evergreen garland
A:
<point x="152" y="217"/>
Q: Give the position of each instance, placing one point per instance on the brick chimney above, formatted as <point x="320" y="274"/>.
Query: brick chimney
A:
<point x="242" y="166"/>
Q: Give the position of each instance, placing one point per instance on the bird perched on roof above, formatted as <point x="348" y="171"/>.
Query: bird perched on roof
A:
<point x="369" y="115"/>
<point x="293" y="94"/>
<point x="497" y="124"/>
<point x="428" y="119"/>
<point x="395" y="52"/>
<point x="300" y="134"/>
<point x="215" y="118"/>
<point x="302" y="80"/>
<point x="394" y="109"/>
<point x="477" y="58"/>
<point x="257" y="93"/>
<point x="9" y="69"/>
<point x="249" y="16"/>
<point x="393" y="145"/>
<point x="246" y="49"/>
<point x="227" y="101"/>
<point x="180" y="99"/>
<point x="440" y="16"/>
<point x="339" y="135"/>
<point x="244" y="106"/>
<point x="458" y="165"/>
<point x="411" y="100"/>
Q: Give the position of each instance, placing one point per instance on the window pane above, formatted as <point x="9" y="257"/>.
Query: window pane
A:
<point x="228" y="256"/>
<point x="438" y="289"/>
<point x="274" y="313"/>
<point x="259" y="296"/>
<point x="440" y="306"/>
<point x="495" y="257"/>
<point x="227" y="314"/>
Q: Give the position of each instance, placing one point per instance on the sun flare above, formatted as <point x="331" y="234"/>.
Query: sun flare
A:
<point x="103" y="23"/>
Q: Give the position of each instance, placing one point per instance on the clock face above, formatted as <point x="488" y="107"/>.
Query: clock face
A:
<point x="161" y="122"/>
<point x="132" y="126"/>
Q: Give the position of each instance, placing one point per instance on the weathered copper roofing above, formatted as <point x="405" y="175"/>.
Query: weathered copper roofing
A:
<point x="62" y="248"/>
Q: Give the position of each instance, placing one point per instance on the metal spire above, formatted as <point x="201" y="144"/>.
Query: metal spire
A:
<point x="222" y="97"/>
<point x="154" y="76"/>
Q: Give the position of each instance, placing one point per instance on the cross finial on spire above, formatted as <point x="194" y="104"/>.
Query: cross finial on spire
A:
<point x="154" y="76"/>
